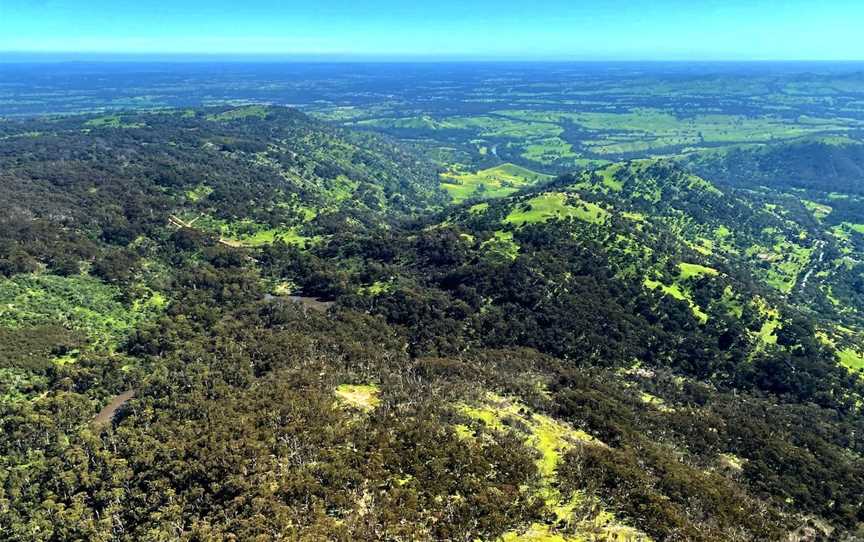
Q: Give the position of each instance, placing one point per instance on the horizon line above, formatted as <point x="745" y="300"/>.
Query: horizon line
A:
<point x="14" y="56"/>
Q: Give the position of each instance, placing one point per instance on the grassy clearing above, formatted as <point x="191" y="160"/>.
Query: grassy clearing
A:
<point x="672" y="290"/>
<point x="547" y="436"/>
<point x="111" y="121"/>
<point x="780" y="264"/>
<point x="250" y="234"/>
<point x="691" y="270"/>
<point x="376" y="288"/>
<point x="550" y="439"/>
<point x="819" y="210"/>
<point x="479" y="209"/>
<point x="363" y="397"/>
<point x="68" y="358"/>
<point x="259" y="111"/>
<point x="702" y="245"/>
<point x="267" y="237"/>
<point x="722" y="232"/>
<point x="199" y="192"/>
<point x="655" y="402"/>
<point x="494" y="182"/>
<point x="698" y="184"/>
<point x="548" y="151"/>
<point x="502" y="244"/>
<point x="635" y="217"/>
<point x="770" y="322"/>
<point x="731" y="302"/>
<point x="852" y="359"/>
<point x="675" y="291"/>
<point x="556" y="205"/>
<point x="156" y="302"/>
<point x="609" y="180"/>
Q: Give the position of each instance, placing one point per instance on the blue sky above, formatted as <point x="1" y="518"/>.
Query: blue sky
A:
<point x="385" y="29"/>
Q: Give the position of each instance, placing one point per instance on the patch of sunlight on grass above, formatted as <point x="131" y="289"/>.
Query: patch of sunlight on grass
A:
<point x="259" y="111"/>
<point x="550" y="438"/>
<point x="502" y="243"/>
<point x="672" y="290"/>
<point x="556" y="205"/>
<point x="690" y="270"/>
<point x="851" y="359"/>
<point x="463" y="431"/>
<point x="732" y="461"/>
<point x="767" y="333"/>
<point x="199" y="192"/>
<point x="675" y="292"/>
<point x="66" y="359"/>
<point x="495" y="182"/>
<point x="376" y="288"/>
<point x="360" y="396"/>
<point x="655" y="402"/>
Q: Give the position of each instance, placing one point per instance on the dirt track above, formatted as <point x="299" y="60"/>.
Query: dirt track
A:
<point x="107" y="414"/>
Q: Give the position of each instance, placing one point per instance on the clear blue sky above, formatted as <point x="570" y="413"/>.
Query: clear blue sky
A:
<point x="505" y="29"/>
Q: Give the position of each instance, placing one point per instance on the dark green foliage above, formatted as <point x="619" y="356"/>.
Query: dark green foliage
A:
<point x="811" y="165"/>
<point x="33" y="347"/>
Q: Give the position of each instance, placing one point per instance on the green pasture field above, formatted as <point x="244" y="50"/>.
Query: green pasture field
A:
<point x="495" y="182"/>
<point x="556" y="205"/>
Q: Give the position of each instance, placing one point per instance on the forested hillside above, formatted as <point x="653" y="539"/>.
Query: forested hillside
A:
<point x="250" y="175"/>
<point x="243" y="324"/>
<point x="832" y="165"/>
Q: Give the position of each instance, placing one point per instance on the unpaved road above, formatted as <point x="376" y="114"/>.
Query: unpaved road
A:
<point x="107" y="414"/>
